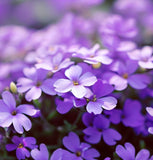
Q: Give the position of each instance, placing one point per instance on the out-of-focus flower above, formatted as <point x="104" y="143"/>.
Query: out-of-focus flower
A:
<point x="93" y="55"/>
<point x="143" y="56"/>
<point x="117" y="26"/>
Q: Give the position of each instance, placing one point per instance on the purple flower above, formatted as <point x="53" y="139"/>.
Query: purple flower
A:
<point x="35" y="83"/>
<point x="143" y="56"/>
<point x="125" y="75"/>
<point x="10" y="114"/>
<point x="76" y="83"/>
<point x="20" y="144"/>
<point x="100" y="128"/>
<point x="77" y="150"/>
<point x="40" y="155"/>
<point x="128" y="153"/>
<point x="93" y="55"/>
<point x="54" y="63"/>
<point x="97" y="100"/>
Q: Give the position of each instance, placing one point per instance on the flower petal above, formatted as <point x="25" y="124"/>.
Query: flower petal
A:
<point x="63" y="85"/>
<point x="3" y="107"/>
<point x="108" y="103"/>
<point x="5" y="119"/>
<point x="11" y="147"/>
<point x="139" y="81"/>
<point x="9" y="99"/>
<point x="73" y="73"/>
<point x="87" y="79"/>
<point x="24" y="84"/>
<point x="26" y="109"/>
<point x="94" y="107"/>
<point x="110" y="136"/>
<point x="143" y="154"/>
<point x="24" y="122"/>
<point x="91" y="153"/>
<point x="33" y="93"/>
<point x="71" y="142"/>
<point x="79" y="91"/>
<point x="47" y="87"/>
<point x="42" y="154"/>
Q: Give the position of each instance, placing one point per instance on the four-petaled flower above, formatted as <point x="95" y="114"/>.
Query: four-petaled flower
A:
<point x="10" y="114"/>
<point x="76" y="83"/>
<point x="21" y="144"/>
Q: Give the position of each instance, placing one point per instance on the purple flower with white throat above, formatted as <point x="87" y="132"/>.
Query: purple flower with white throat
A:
<point x="34" y="83"/>
<point x="20" y="144"/>
<point x="76" y="82"/>
<point x="98" y="99"/>
<point x="10" y="114"/>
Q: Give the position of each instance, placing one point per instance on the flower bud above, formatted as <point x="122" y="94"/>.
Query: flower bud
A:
<point x="13" y="87"/>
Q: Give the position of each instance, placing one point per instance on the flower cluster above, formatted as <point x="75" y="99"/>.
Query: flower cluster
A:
<point x="80" y="88"/>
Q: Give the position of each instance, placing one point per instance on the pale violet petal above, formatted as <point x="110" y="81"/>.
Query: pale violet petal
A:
<point x="63" y="85"/>
<point x="108" y="103"/>
<point x="33" y="93"/>
<point x="87" y="79"/>
<point x="73" y="72"/>
<point x="79" y="91"/>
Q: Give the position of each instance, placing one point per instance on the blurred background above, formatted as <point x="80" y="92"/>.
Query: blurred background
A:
<point x="39" y="13"/>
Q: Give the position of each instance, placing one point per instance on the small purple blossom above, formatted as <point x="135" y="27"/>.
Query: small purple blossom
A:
<point x="98" y="100"/>
<point x="76" y="83"/>
<point x="54" y="63"/>
<point x="10" y="114"/>
<point x="20" y="144"/>
<point x="100" y="128"/>
<point x="125" y="75"/>
<point x="77" y="150"/>
<point x="35" y="83"/>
